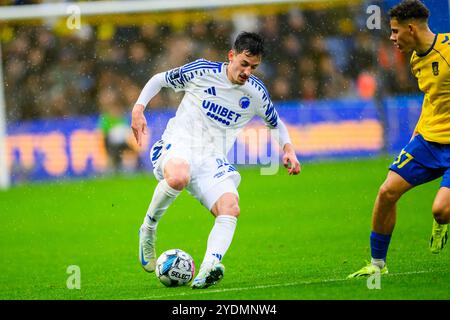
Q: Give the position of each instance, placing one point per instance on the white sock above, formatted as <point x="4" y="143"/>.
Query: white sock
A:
<point x="219" y="239"/>
<point x="163" y="197"/>
<point x="378" y="262"/>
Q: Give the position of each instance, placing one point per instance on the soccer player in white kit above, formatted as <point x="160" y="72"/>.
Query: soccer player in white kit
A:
<point x="220" y="99"/>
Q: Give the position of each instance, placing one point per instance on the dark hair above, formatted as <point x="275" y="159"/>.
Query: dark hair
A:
<point x="251" y="42"/>
<point x="409" y="9"/>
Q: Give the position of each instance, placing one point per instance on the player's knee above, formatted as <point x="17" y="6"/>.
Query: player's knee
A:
<point x="441" y="213"/>
<point x="233" y="209"/>
<point x="178" y="181"/>
<point x="230" y="210"/>
<point x="177" y="173"/>
<point x="387" y="194"/>
<point x="228" y="206"/>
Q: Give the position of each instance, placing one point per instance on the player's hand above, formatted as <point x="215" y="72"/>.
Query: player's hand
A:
<point x="138" y="123"/>
<point x="290" y="160"/>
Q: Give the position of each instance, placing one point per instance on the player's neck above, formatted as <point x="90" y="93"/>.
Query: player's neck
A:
<point x="425" y="41"/>
<point x="227" y="72"/>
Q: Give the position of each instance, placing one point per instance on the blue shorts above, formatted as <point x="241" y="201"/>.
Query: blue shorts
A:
<point x="422" y="161"/>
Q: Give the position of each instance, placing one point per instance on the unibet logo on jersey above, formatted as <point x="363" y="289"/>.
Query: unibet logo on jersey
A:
<point x="219" y="113"/>
<point x="214" y="110"/>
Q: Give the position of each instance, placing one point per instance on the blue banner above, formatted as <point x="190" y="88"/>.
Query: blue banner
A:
<point x="402" y="114"/>
<point x="75" y="147"/>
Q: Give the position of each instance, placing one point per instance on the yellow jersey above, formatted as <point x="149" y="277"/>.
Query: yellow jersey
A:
<point x="432" y="70"/>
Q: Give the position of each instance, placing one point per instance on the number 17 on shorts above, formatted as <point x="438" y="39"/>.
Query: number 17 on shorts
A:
<point x="402" y="159"/>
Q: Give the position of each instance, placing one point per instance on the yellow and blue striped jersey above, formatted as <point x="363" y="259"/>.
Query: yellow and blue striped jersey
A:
<point x="432" y="70"/>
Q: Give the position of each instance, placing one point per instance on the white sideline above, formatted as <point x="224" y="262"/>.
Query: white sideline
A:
<point x="208" y="291"/>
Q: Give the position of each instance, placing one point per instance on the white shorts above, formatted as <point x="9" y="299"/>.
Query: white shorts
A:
<point x="211" y="176"/>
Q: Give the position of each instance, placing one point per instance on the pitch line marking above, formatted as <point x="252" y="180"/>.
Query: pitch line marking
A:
<point x="200" y="291"/>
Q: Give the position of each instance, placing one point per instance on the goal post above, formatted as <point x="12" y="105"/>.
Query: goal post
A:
<point x="4" y="170"/>
<point x="48" y="10"/>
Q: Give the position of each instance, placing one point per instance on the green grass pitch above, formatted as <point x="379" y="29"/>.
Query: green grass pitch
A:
<point x="297" y="238"/>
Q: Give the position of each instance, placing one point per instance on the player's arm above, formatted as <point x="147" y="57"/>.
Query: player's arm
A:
<point x="138" y="121"/>
<point x="174" y="79"/>
<point x="281" y="134"/>
<point x="290" y="160"/>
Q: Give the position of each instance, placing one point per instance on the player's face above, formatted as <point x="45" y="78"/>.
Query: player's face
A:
<point x="241" y="66"/>
<point x="402" y="36"/>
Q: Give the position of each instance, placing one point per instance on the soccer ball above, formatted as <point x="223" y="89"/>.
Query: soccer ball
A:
<point x="175" y="268"/>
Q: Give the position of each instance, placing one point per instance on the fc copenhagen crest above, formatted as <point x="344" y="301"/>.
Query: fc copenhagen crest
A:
<point x="244" y="102"/>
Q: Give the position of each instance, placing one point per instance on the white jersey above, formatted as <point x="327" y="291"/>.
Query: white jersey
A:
<point x="213" y="110"/>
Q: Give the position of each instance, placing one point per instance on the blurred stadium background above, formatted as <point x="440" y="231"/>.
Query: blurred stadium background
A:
<point x="342" y="88"/>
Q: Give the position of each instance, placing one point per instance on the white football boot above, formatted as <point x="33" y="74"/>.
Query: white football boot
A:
<point x="147" y="252"/>
<point x="208" y="275"/>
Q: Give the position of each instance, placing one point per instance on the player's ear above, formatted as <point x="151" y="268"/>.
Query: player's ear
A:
<point x="230" y="55"/>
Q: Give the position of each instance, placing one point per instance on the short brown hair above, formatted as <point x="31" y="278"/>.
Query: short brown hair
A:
<point x="409" y="9"/>
<point x="251" y="42"/>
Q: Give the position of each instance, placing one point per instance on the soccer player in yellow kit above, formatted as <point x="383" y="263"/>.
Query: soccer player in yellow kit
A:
<point x="427" y="155"/>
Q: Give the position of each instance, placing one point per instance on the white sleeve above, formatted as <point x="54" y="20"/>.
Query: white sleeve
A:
<point x="281" y="134"/>
<point x="277" y="127"/>
<point x="151" y="89"/>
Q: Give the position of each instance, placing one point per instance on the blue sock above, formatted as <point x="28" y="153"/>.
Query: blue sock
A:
<point x="379" y="244"/>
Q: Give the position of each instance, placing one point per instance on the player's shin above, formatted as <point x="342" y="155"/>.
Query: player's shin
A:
<point x="379" y="244"/>
<point x="219" y="239"/>
<point x="163" y="197"/>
